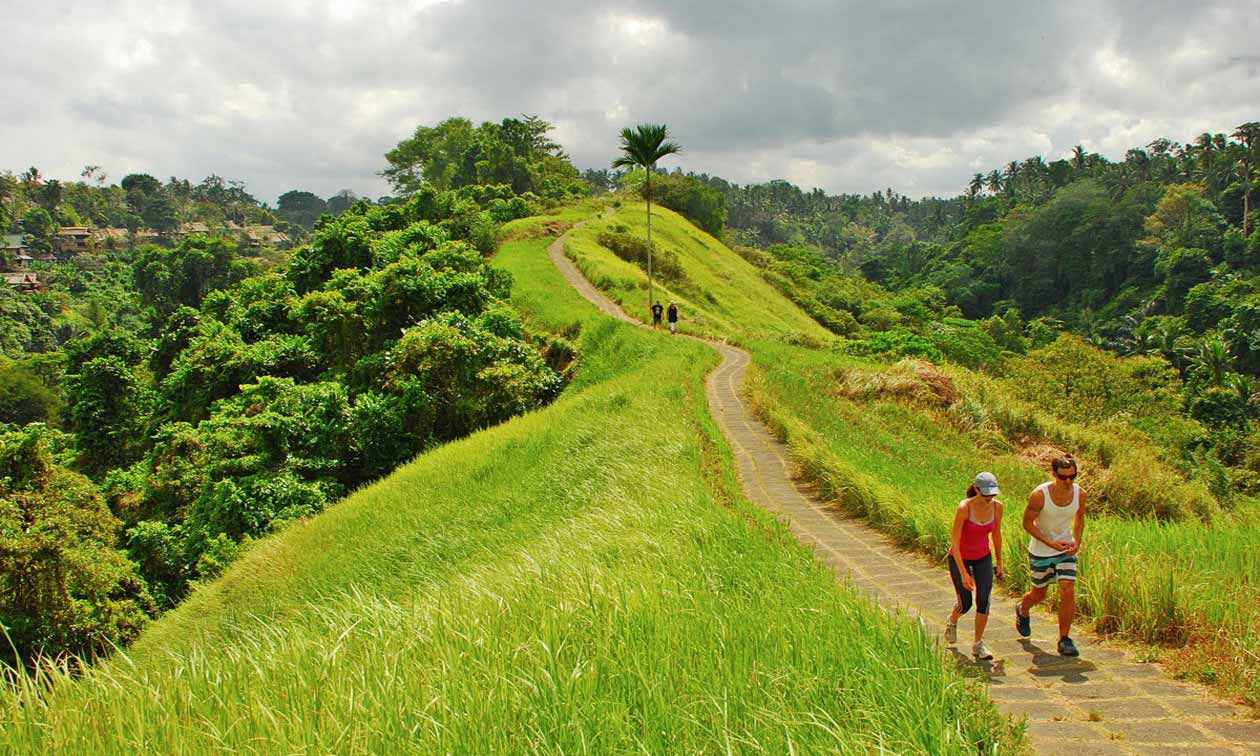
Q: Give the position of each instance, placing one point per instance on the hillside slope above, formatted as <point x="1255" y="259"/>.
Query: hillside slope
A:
<point x="584" y="578"/>
<point x="897" y="445"/>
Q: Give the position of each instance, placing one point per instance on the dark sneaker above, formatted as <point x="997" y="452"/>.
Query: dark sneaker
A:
<point x="1023" y="625"/>
<point x="1067" y="647"/>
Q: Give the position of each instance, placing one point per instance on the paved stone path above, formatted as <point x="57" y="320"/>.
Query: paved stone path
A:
<point x="1102" y="702"/>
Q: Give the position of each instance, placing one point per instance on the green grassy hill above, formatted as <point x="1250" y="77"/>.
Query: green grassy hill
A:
<point x="720" y="295"/>
<point x="898" y="444"/>
<point x="586" y="578"/>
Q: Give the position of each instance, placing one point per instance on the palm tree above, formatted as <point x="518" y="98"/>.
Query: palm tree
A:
<point x="977" y="184"/>
<point x="1009" y="176"/>
<point x="1079" y="155"/>
<point x="1249" y="135"/>
<point x="993" y="182"/>
<point x="1170" y="342"/>
<point x="1214" y="357"/>
<point x="642" y="147"/>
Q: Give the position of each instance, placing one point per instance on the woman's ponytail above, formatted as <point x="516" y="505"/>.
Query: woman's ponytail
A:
<point x="972" y="490"/>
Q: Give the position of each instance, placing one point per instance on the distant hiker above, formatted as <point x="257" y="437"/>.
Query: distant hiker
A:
<point x="657" y="309"/>
<point x="1055" y="518"/>
<point x="972" y="562"/>
<point x="673" y="317"/>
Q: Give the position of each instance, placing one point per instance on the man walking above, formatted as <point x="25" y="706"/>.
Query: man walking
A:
<point x="673" y="317"/>
<point x="657" y="309"/>
<point x="1055" y="518"/>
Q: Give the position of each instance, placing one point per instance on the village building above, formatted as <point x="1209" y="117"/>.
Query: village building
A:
<point x="71" y="240"/>
<point x="27" y="283"/>
<point x="13" y="252"/>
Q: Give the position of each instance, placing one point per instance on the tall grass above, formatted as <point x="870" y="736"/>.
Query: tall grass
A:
<point x="1161" y="562"/>
<point x="1190" y="584"/>
<point x="585" y="578"/>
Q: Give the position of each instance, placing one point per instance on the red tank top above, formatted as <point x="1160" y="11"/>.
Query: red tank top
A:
<point x="975" y="537"/>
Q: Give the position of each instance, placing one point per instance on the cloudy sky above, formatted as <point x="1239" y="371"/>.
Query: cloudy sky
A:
<point x="848" y="96"/>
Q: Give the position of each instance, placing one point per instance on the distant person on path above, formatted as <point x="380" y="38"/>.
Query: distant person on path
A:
<point x="673" y="317"/>
<point x="1055" y="518"/>
<point x="657" y="309"/>
<point x="973" y="563"/>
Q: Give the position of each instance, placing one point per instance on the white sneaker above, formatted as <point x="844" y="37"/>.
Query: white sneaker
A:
<point x="951" y="633"/>
<point x="981" y="652"/>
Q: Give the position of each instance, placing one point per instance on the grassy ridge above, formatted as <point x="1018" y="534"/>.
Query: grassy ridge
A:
<point x="1194" y="587"/>
<point x="722" y="297"/>
<point x="582" y="579"/>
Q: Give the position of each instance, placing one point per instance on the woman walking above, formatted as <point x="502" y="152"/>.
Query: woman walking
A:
<point x="973" y="562"/>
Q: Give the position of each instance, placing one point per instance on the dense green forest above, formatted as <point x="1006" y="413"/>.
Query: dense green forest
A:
<point x="161" y="405"/>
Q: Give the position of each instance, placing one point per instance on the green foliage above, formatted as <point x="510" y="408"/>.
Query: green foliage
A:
<point x="454" y="154"/>
<point x="1086" y="384"/>
<point x="895" y="344"/>
<point x="26" y="398"/>
<point x="63" y="588"/>
<point x="40" y="226"/>
<point x="109" y="412"/>
<point x="632" y="249"/>
<point x="301" y="208"/>
<point x="1182" y="269"/>
<point x="966" y="343"/>
<point x="686" y="195"/>
<point x="182" y="276"/>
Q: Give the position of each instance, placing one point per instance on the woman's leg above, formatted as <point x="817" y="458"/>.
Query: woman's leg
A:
<point x="964" y="595"/>
<point x="982" y="571"/>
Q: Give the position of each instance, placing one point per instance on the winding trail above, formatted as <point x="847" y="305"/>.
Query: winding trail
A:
<point x="1102" y="702"/>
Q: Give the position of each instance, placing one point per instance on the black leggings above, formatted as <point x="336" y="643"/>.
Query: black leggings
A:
<point x="982" y="572"/>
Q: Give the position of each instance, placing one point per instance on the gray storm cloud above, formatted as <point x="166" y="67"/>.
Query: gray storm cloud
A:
<point x="851" y="97"/>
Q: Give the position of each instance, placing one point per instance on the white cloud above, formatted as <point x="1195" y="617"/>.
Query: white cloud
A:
<point x="851" y="97"/>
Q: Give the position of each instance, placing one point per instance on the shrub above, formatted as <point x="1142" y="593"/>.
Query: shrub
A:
<point x="665" y="262"/>
<point x="64" y="588"/>
<point x="964" y="342"/>
<point x="895" y="343"/>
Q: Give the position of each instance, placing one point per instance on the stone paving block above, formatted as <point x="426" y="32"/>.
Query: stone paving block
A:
<point x="1004" y="693"/>
<point x="1041" y="710"/>
<point x="1183" y="750"/>
<point x="1236" y="732"/>
<point x="1079" y="748"/>
<point x="1166" y="687"/>
<point x="1065" y="730"/>
<point x="1122" y="709"/>
<point x="1135" y="671"/>
<point x="1099" y="689"/>
<point x="1199" y="707"/>
<point x="1156" y="732"/>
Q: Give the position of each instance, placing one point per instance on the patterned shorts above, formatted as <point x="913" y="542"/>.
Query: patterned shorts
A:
<point x="1046" y="570"/>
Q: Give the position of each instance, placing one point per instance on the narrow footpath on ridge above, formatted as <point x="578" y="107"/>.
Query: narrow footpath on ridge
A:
<point x="1101" y="702"/>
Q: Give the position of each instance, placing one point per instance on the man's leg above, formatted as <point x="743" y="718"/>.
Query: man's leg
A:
<point x="1032" y="598"/>
<point x="1067" y="606"/>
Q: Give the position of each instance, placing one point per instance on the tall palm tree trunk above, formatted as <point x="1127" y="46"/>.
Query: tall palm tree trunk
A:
<point x="649" y="237"/>
<point x="1246" y="199"/>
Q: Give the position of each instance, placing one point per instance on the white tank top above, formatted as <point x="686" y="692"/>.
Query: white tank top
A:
<point x="1054" y="522"/>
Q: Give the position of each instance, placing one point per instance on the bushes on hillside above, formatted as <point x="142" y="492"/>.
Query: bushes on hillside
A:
<point x="259" y="400"/>
<point x="685" y="195"/>
<point x="63" y="586"/>
<point x="632" y="249"/>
